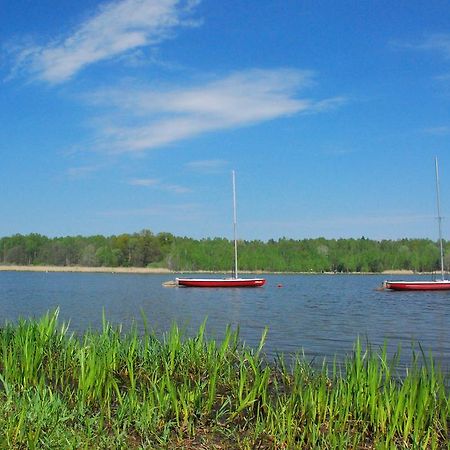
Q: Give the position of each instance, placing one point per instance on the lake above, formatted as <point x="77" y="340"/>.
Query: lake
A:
<point x="319" y="315"/>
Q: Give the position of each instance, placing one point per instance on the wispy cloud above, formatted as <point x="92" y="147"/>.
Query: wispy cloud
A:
<point x="156" y="183"/>
<point x="158" y="118"/>
<point x="144" y="182"/>
<point x="438" y="131"/>
<point x="82" y="171"/>
<point x="117" y="28"/>
<point x="175" y="188"/>
<point x="436" y="42"/>
<point x="433" y="44"/>
<point x="207" y="165"/>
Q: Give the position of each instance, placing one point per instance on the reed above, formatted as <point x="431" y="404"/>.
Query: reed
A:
<point x="110" y="389"/>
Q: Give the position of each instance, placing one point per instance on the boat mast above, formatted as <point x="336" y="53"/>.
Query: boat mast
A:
<point x="439" y="217"/>
<point x="234" y="226"/>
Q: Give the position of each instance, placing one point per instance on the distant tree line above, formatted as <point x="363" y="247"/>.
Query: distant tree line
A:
<point x="146" y="249"/>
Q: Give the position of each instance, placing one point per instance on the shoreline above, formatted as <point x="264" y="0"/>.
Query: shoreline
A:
<point x="83" y="269"/>
<point x="163" y="270"/>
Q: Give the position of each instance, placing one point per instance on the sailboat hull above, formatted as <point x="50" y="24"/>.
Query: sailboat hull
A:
<point x="220" y="282"/>
<point x="437" y="285"/>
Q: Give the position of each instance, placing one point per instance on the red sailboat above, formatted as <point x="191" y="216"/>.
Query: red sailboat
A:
<point x="221" y="282"/>
<point x="441" y="284"/>
<point x="233" y="281"/>
<point x="432" y="285"/>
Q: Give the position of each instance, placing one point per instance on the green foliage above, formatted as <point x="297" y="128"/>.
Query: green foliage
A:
<point x="216" y="254"/>
<point x="107" y="389"/>
<point x="138" y="250"/>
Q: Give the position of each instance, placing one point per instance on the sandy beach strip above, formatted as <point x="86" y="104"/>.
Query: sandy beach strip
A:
<point x="12" y="268"/>
<point x="398" y="272"/>
<point x="162" y="270"/>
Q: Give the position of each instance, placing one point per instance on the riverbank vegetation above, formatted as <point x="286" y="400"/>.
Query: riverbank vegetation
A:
<point x="108" y="389"/>
<point x="164" y="250"/>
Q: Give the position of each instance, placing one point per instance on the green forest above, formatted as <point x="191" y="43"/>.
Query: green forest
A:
<point x="164" y="250"/>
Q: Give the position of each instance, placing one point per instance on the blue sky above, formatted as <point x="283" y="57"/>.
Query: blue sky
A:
<point x="117" y="116"/>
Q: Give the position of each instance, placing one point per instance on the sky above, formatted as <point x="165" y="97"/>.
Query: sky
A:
<point x="118" y="116"/>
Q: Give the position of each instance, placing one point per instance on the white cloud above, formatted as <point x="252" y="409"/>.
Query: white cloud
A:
<point x="175" y="188"/>
<point x="117" y="28"/>
<point x="155" y="183"/>
<point x="144" y="182"/>
<point x="436" y="42"/>
<point x="207" y="165"/>
<point x="438" y="131"/>
<point x="82" y="171"/>
<point x="241" y="99"/>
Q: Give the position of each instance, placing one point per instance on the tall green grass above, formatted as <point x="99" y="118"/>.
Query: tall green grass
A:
<point x="110" y="389"/>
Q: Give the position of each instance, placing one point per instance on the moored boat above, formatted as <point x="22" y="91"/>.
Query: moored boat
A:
<point x="425" y="285"/>
<point x="233" y="282"/>
<point x="220" y="282"/>
<point x="430" y="285"/>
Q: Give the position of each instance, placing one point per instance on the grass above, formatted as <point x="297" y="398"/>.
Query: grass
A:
<point x="109" y="389"/>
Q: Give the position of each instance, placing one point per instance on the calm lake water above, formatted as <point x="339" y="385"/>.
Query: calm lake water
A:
<point x="319" y="315"/>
